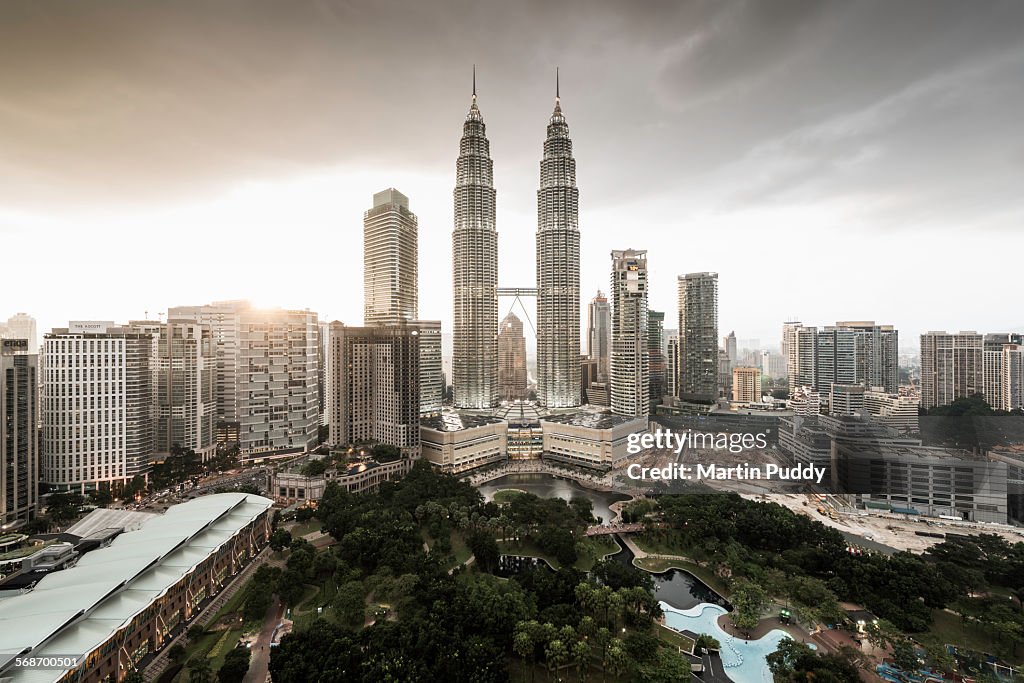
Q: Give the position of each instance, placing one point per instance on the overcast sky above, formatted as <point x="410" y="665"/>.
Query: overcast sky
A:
<point x="830" y="160"/>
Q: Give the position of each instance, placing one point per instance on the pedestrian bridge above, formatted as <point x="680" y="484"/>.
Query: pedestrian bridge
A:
<point x="606" y="529"/>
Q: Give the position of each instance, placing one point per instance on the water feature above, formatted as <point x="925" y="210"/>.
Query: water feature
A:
<point x="677" y="587"/>
<point x="548" y="486"/>
<point x="744" y="660"/>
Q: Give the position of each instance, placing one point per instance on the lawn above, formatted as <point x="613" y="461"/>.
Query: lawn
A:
<point x="303" y="528"/>
<point x="506" y="495"/>
<point x="947" y="628"/>
<point x="674" y="638"/>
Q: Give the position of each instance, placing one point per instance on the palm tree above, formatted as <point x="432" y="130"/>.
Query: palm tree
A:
<point x="522" y="643"/>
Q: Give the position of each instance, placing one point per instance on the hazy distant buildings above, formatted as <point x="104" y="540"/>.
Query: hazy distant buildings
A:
<point x="19" y="437"/>
<point x="184" y="367"/>
<point x="98" y="406"/>
<point x="375" y="393"/>
<point x="390" y="260"/>
<point x="21" y="326"/>
<point x="729" y="344"/>
<point x="698" y="337"/>
<point x="512" y="359"/>
<point x="475" y="270"/>
<point x="630" y="359"/>
<point x="558" y="270"/>
<point x="276" y="382"/>
<point x="773" y="365"/>
<point x="951" y="367"/>
<point x="746" y="385"/>
<point x="599" y="334"/>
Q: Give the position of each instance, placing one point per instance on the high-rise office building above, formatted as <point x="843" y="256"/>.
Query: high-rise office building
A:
<point x="184" y="366"/>
<point x="558" y="270"/>
<point x="724" y="374"/>
<point x="656" y="357"/>
<point x="698" y="337"/>
<point x="277" y="374"/>
<point x="951" y="367"/>
<point x="475" y="269"/>
<point x="375" y="393"/>
<point x="630" y="362"/>
<point x="431" y="370"/>
<point x="390" y="260"/>
<point x="19" y="437"/>
<point x="98" y="406"/>
<point x="599" y="334"/>
<point x="746" y="385"/>
<point x="512" y="359"/>
<point x="224" y="320"/>
<point x="848" y="353"/>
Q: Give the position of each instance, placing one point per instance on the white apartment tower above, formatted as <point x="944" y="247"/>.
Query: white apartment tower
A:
<point x="475" y="269"/>
<point x="390" y="260"/>
<point x="1004" y="370"/>
<point x="276" y="382"/>
<point x="558" y="270"/>
<point x="98" y="406"/>
<point x="630" y="358"/>
<point x="952" y="367"/>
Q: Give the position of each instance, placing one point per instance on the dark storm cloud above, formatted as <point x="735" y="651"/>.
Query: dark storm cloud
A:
<point x="772" y="101"/>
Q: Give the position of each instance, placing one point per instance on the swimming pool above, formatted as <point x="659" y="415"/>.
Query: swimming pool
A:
<point x="744" y="660"/>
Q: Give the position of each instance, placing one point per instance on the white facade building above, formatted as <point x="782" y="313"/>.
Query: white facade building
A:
<point x="630" y="358"/>
<point x="98" y="406"/>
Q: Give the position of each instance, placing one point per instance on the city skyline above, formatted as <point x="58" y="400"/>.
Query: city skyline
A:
<point x="866" y="163"/>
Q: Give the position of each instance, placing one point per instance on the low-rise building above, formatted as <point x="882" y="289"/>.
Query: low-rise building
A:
<point x="592" y="440"/>
<point x="458" y="442"/>
<point x="363" y="475"/>
<point x="122" y="603"/>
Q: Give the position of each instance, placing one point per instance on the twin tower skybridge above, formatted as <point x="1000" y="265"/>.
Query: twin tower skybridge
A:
<point x="518" y="293"/>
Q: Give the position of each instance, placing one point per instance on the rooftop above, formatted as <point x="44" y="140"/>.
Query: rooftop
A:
<point x="74" y="611"/>
<point x="592" y="420"/>
<point x="454" y="422"/>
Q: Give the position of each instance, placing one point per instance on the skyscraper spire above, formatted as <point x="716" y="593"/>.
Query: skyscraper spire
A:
<point x="475" y="269"/>
<point x="558" y="268"/>
<point x="558" y="94"/>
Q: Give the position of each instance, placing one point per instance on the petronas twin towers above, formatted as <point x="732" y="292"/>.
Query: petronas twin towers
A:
<point x="475" y="269"/>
